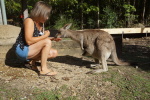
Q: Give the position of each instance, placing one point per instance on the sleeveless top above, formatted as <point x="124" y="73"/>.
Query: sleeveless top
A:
<point x="21" y="38"/>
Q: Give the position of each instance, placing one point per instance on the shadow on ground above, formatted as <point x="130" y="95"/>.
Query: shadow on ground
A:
<point x="72" y="60"/>
<point x="12" y="60"/>
<point x="133" y="53"/>
<point x="138" y="54"/>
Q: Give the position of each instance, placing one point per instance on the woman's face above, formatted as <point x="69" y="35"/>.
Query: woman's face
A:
<point x="43" y="20"/>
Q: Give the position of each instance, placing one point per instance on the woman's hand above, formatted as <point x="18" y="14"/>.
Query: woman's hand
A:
<point x="55" y="39"/>
<point x="47" y="32"/>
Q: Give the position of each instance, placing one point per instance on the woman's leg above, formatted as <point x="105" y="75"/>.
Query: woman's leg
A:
<point x="41" y="48"/>
<point x="52" y="53"/>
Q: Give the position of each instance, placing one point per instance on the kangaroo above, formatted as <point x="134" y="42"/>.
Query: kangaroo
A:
<point x="96" y="43"/>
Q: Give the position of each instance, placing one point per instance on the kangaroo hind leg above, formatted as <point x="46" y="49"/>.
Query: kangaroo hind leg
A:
<point x="105" y="55"/>
<point x="97" y="63"/>
<point x="103" y="58"/>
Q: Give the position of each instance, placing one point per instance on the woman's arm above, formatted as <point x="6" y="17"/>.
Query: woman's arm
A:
<point x="29" y="29"/>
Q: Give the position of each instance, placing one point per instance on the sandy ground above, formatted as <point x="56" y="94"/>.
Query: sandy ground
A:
<point x="71" y="72"/>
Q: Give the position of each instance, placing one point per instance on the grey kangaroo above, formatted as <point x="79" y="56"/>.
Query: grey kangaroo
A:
<point x="96" y="43"/>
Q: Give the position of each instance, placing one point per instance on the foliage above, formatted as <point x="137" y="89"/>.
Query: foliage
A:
<point x="64" y="20"/>
<point x="129" y="16"/>
<point x="110" y="17"/>
<point x="13" y="10"/>
<point x="90" y="23"/>
<point x="12" y="6"/>
<point x="87" y="8"/>
<point x="112" y="13"/>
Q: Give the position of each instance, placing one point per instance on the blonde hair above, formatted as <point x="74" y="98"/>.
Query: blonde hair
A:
<point x="41" y="11"/>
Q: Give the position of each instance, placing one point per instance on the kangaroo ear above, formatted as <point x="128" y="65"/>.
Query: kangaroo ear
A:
<point x="67" y="26"/>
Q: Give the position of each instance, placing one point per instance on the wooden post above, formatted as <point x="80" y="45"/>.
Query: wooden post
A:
<point x="146" y="33"/>
<point x="3" y="11"/>
<point x="122" y="34"/>
<point x="1" y="20"/>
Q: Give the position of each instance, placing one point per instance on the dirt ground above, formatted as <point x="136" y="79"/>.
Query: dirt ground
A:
<point x="72" y="73"/>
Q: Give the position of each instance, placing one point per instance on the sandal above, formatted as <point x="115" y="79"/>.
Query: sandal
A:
<point x="47" y="74"/>
<point x="31" y="66"/>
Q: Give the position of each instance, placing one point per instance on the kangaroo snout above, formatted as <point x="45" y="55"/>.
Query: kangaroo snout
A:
<point x="58" y="35"/>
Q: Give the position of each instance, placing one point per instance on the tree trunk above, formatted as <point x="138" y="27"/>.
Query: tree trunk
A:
<point x="3" y="12"/>
<point x="82" y="16"/>
<point x="129" y="22"/>
<point x="143" y="15"/>
<point x="1" y="21"/>
<point x="98" y="14"/>
<point x="134" y="3"/>
<point x="82" y="20"/>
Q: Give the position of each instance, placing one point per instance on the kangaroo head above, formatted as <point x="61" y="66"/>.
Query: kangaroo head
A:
<point x="62" y="32"/>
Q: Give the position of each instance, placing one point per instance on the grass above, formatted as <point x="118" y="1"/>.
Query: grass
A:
<point x="7" y="93"/>
<point x="46" y="95"/>
<point x="133" y="85"/>
<point x="53" y="94"/>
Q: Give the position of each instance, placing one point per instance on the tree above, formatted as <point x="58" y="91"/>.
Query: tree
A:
<point x="144" y="7"/>
<point x="129" y="16"/>
<point x="89" y="13"/>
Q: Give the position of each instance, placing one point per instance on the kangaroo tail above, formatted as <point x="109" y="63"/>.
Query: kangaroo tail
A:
<point x="116" y="60"/>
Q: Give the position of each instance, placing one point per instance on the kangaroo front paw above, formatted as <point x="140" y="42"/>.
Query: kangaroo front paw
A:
<point x="94" y="65"/>
<point x="85" y="54"/>
<point x="82" y="48"/>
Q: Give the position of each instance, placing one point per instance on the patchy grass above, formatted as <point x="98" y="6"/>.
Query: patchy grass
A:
<point x="8" y="93"/>
<point x="133" y="84"/>
<point x="57" y="94"/>
<point x="119" y="83"/>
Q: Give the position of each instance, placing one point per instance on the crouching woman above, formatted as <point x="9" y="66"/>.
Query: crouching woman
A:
<point x="33" y="43"/>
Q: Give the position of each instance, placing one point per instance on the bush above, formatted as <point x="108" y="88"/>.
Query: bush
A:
<point x="64" y="20"/>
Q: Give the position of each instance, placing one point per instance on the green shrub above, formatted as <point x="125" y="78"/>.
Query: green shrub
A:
<point x="64" y="20"/>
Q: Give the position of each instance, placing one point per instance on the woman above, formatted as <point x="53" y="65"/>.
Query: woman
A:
<point x="33" y="43"/>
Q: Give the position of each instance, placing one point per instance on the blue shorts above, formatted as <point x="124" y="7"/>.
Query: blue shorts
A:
<point x="22" y="54"/>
